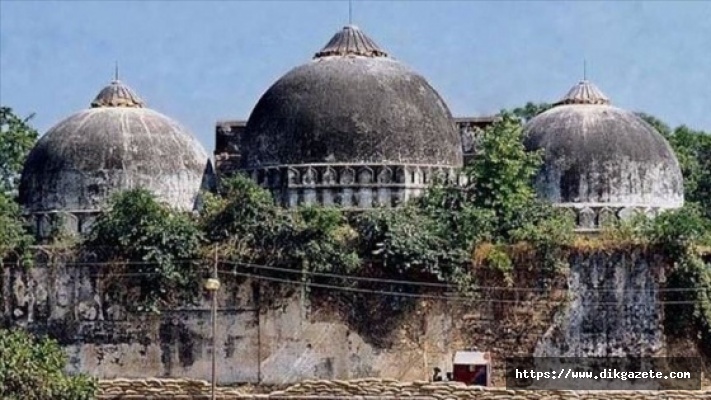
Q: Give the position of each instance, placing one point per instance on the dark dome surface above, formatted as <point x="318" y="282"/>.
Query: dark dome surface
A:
<point x="598" y="154"/>
<point x="115" y="145"/>
<point x="351" y="104"/>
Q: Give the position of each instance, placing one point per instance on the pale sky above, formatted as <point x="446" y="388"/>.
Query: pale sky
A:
<point x="203" y="61"/>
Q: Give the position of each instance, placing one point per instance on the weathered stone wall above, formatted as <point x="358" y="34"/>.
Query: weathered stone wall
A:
<point x="614" y="308"/>
<point x="370" y="389"/>
<point x="260" y="341"/>
<point x="257" y="342"/>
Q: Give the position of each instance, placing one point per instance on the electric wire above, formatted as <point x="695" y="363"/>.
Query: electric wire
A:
<point x="452" y="297"/>
<point x="346" y="277"/>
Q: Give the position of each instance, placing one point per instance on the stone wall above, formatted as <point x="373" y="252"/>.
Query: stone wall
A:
<point x="614" y="308"/>
<point x="257" y="341"/>
<point x="267" y="339"/>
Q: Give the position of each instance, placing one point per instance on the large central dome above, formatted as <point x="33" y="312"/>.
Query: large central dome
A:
<point x="351" y="128"/>
<point x="351" y="103"/>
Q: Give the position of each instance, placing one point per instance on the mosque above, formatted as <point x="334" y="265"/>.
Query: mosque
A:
<point x="352" y="128"/>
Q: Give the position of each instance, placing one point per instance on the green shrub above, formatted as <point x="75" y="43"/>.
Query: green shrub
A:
<point x="13" y="235"/>
<point x="157" y="244"/>
<point x="33" y="369"/>
<point x="245" y="220"/>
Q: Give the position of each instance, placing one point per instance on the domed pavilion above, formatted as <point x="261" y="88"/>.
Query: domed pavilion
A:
<point x="602" y="162"/>
<point x="352" y="128"/>
<point x="117" y="144"/>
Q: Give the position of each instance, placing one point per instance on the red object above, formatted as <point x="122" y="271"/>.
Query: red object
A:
<point x="462" y="373"/>
<point x="471" y="374"/>
<point x="472" y="368"/>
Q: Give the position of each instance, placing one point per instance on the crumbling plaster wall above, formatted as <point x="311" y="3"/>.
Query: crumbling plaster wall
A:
<point x="269" y="344"/>
<point x="614" y="308"/>
<point x="294" y="339"/>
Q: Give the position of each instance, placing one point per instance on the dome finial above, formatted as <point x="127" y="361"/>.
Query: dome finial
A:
<point x="116" y="74"/>
<point x="351" y="41"/>
<point x="116" y="94"/>
<point x="584" y="92"/>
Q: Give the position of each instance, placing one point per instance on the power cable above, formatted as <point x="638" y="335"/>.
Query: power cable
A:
<point x="414" y="295"/>
<point x="349" y="277"/>
<point x="442" y="285"/>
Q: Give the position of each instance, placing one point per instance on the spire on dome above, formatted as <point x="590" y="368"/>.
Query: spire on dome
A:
<point x="350" y="12"/>
<point x="117" y="94"/>
<point x="585" y="92"/>
<point x="351" y="41"/>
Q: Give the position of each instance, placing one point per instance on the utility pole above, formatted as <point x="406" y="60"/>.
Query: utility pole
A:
<point x="212" y="285"/>
<point x="214" y="325"/>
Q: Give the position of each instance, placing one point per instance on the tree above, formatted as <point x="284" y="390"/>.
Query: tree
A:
<point x="33" y="369"/>
<point x="502" y="176"/>
<point x="323" y="240"/>
<point x="404" y="243"/>
<point x="16" y="140"/>
<point x="530" y="110"/>
<point x="656" y="123"/>
<point x="456" y="216"/>
<point x="693" y="149"/>
<point x="159" y="244"/>
<point x="13" y="235"/>
<point x="246" y="220"/>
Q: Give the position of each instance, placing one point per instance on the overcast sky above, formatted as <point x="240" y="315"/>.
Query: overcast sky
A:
<point x="203" y="61"/>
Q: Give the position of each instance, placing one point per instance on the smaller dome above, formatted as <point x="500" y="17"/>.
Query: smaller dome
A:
<point x="599" y="156"/>
<point x="116" y="144"/>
